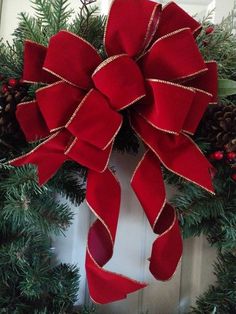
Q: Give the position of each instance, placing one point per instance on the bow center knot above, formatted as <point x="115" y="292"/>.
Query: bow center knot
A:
<point x="120" y="80"/>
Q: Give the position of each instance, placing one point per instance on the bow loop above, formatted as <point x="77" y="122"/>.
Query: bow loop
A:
<point x="173" y="57"/>
<point x="66" y="57"/>
<point x="199" y="106"/>
<point x="34" y="57"/>
<point x="207" y="81"/>
<point x="26" y="113"/>
<point x="131" y="26"/>
<point x="166" y="105"/>
<point x="173" y="18"/>
<point x="55" y="107"/>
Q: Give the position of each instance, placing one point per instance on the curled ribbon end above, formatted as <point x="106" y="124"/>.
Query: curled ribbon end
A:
<point x="124" y="287"/>
<point x="102" y="302"/>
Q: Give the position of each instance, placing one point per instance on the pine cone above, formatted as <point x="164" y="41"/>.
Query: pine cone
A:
<point x="231" y="146"/>
<point x="218" y="126"/>
<point x="10" y="134"/>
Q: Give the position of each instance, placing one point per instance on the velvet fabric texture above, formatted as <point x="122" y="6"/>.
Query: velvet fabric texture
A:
<point x="155" y="71"/>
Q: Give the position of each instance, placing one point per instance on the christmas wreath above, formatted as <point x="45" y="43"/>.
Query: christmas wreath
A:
<point x="79" y="97"/>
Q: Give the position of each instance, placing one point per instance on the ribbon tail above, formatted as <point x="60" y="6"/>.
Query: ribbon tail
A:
<point x="179" y="154"/>
<point x="148" y="184"/>
<point x="105" y="286"/>
<point x="103" y="197"/>
<point x="48" y="156"/>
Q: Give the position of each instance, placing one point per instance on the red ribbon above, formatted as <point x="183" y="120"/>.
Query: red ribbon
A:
<point x="155" y="70"/>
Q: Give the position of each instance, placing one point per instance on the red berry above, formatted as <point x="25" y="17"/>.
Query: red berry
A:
<point x="12" y="82"/>
<point x="231" y="156"/>
<point x="234" y="177"/>
<point x="209" y="30"/>
<point x="217" y="155"/>
<point x="4" y="88"/>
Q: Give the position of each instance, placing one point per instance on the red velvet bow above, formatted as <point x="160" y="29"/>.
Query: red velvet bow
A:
<point x="155" y="70"/>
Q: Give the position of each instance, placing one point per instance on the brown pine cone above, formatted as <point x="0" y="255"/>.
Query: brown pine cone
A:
<point x="231" y="146"/>
<point x="11" y="136"/>
<point x="218" y="126"/>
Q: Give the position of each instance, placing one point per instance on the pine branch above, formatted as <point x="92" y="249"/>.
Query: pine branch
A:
<point x="29" y="215"/>
<point x="11" y="59"/>
<point x="88" y="310"/>
<point x="33" y="88"/>
<point x="52" y="217"/>
<point x="54" y="15"/>
<point x="30" y="28"/>
<point x="35" y="280"/>
<point x="20" y="178"/>
<point x="199" y="212"/>
<point x="26" y="207"/>
<point x="43" y="12"/>
<point x="220" y="45"/>
<point x="70" y="182"/>
<point x="220" y="298"/>
<point x="89" y="25"/>
<point x="61" y="15"/>
<point x="65" y="288"/>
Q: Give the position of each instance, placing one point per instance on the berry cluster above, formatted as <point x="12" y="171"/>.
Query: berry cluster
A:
<point x="11" y="83"/>
<point x="229" y="157"/>
<point x="208" y="31"/>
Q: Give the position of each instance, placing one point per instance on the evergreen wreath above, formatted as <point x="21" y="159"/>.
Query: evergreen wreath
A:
<point x="30" y="214"/>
